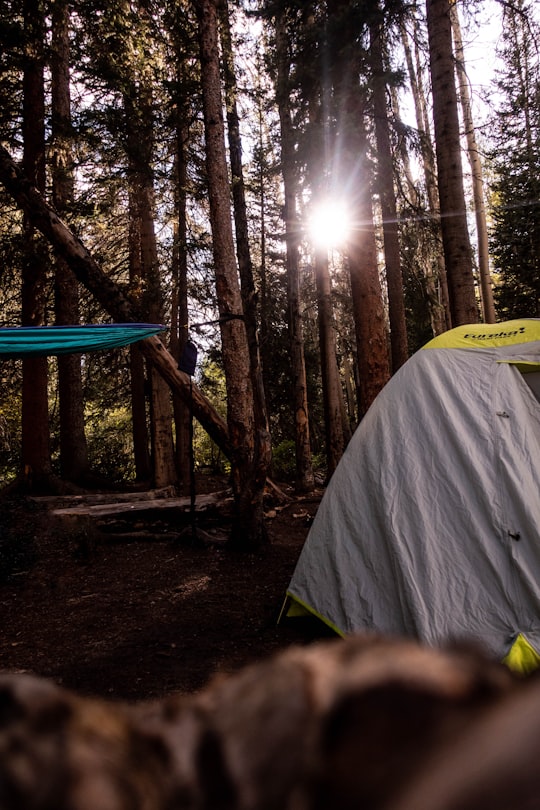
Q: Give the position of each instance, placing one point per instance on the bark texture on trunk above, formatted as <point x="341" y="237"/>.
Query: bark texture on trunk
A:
<point x="305" y="480"/>
<point x="436" y="285"/>
<point x="248" y="480"/>
<point x="486" y="287"/>
<point x="262" y="445"/>
<point x="355" y="176"/>
<point x="36" y="460"/>
<point x="179" y="303"/>
<point x="385" y="185"/>
<point x="331" y="383"/>
<point x="455" y="234"/>
<point x="144" y="263"/>
<point x="74" y="462"/>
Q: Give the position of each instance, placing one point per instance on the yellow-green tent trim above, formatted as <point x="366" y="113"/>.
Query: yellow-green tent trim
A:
<point x="522" y="657"/>
<point x="483" y="336"/>
<point x="292" y="606"/>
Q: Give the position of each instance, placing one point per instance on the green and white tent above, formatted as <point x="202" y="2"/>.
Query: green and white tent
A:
<point x="430" y="525"/>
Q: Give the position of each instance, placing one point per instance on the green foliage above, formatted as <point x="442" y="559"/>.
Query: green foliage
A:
<point x="284" y="461"/>
<point x="212" y="385"/>
<point x="515" y="162"/>
<point x="10" y="438"/>
<point x="107" y="417"/>
<point x="110" y="445"/>
<point x="515" y="246"/>
<point x="11" y="42"/>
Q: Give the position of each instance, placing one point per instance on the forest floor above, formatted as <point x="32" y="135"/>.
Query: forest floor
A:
<point x="131" y="617"/>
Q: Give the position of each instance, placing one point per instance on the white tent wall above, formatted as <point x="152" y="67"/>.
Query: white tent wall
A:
<point x="430" y="524"/>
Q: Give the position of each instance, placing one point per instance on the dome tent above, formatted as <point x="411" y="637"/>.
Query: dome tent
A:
<point x="430" y="525"/>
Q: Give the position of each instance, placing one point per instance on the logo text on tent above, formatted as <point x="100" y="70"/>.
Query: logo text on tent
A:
<point x="491" y="336"/>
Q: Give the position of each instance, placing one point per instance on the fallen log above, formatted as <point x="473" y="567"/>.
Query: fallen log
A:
<point x="104" y="497"/>
<point x="347" y="724"/>
<point x="202" y="503"/>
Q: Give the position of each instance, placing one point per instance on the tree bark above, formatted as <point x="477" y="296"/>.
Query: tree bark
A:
<point x="262" y="451"/>
<point x="74" y="463"/>
<point x="248" y="488"/>
<point x="455" y="234"/>
<point x="163" y="464"/>
<point x="355" y="173"/>
<point x="486" y="287"/>
<point x="137" y="366"/>
<point x="36" y="460"/>
<point x="164" y="469"/>
<point x="179" y="304"/>
<point x="436" y="285"/>
<point x="331" y="384"/>
<point x="139" y="118"/>
<point x="107" y="292"/>
<point x="319" y="120"/>
<point x="385" y="185"/>
<point x="305" y="480"/>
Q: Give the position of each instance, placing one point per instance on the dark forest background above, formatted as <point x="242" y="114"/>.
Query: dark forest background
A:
<point x="186" y="147"/>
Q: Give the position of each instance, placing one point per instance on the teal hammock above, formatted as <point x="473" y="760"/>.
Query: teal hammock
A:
<point x="39" y="341"/>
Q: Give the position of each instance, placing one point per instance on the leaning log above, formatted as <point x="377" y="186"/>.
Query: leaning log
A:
<point x="109" y="294"/>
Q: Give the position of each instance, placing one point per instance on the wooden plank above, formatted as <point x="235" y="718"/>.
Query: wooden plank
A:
<point x="202" y="502"/>
<point x="104" y="497"/>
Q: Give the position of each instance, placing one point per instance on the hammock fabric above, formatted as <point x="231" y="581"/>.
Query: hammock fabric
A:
<point x="25" y="341"/>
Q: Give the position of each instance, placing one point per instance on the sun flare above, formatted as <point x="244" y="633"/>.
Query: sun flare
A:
<point x="329" y="224"/>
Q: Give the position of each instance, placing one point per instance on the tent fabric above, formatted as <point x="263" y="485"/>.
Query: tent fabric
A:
<point x="430" y="525"/>
<point x="24" y="341"/>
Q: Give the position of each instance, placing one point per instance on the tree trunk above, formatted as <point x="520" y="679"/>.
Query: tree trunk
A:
<point x="455" y="234"/>
<point x="486" y="288"/>
<point x="248" y="485"/>
<point x="137" y="367"/>
<point x="368" y="309"/>
<point x="331" y="384"/>
<point x="74" y="463"/>
<point x="138" y="110"/>
<point x="355" y="174"/>
<point x="265" y="302"/>
<point x="305" y="481"/>
<point x="107" y="292"/>
<point x="436" y="285"/>
<point x="385" y="185"/>
<point x="179" y="304"/>
<point x="262" y="451"/>
<point x="319" y="119"/>
<point x="164" y="469"/>
<point x="139" y="416"/>
<point x="36" y="460"/>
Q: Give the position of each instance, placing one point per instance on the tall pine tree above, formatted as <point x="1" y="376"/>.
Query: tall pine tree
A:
<point x="515" y="212"/>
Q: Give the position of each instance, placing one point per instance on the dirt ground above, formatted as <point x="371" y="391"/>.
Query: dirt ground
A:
<point x="129" y="617"/>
